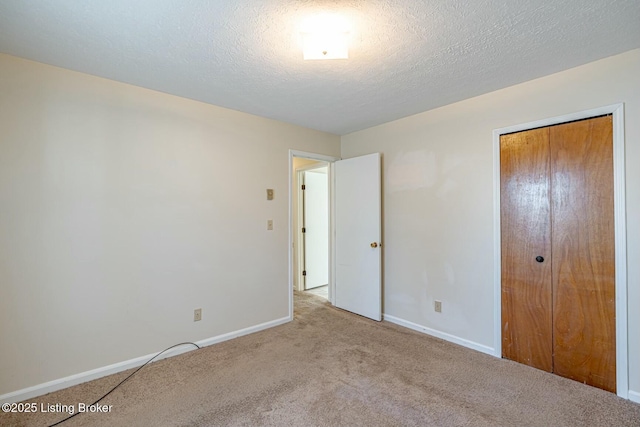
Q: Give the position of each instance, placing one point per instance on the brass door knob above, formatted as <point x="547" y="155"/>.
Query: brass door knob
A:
<point x="374" y="245"/>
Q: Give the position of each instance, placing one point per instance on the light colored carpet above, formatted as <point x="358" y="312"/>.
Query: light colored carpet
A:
<point x="332" y="368"/>
<point x="321" y="291"/>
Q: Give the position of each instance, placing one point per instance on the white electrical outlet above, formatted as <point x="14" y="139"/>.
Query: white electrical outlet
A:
<point x="269" y="224"/>
<point x="437" y="306"/>
<point x="197" y="314"/>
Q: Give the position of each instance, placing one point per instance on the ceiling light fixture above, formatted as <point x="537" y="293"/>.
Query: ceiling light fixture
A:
<point x="325" y="37"/>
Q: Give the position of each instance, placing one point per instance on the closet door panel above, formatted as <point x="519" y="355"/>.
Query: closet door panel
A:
<point x="583" y="273"/>
<point x="525" y="235"/>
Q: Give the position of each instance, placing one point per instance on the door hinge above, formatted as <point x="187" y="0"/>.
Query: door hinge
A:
<point x="304" y="272"/>
<point x="304" y="230"/>
<point x="304" y="187"/>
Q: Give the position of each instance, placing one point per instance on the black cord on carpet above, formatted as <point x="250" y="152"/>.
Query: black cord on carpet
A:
<point x="130" y="375"/>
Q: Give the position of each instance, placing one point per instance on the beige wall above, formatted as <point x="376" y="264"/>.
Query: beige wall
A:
<point x="122" y="210"/>
<point x="438" y="196"/>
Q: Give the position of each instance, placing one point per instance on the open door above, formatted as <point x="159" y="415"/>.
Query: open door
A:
<point x="358" y="286"/>
<point x="315" y="202"/>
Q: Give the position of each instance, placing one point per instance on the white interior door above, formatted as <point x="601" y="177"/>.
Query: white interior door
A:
<point x="316" y="225"/>
<point x="358" y="247"/>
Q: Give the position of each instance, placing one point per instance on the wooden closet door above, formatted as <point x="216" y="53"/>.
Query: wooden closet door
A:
<point x="582" y="220"/>
<point x="525" y="235"/>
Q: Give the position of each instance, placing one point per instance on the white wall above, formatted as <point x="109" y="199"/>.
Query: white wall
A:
<point x="438" y="196"/>
<point x="122" y="210"/>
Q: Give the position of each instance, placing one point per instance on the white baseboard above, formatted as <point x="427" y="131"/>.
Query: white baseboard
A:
<point x="48" y="387"/>
<point x="438" y="334"/>
<point x="634" y="396"/>
<point x="241" y="332"/>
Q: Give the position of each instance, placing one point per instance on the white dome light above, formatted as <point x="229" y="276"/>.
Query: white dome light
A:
<point x="325" y="37"/>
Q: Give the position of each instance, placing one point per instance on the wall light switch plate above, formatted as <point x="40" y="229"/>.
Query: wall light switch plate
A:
<point x="197" y="314"/>
<point x="437" y="306"/>
<point x="269" y="194"/>
<point x="269" y="224"/>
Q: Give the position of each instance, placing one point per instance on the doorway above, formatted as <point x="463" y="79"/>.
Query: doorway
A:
<point x="355" y="247"/>
<point x="299" y="162"/>
<point x="576" y="325"/>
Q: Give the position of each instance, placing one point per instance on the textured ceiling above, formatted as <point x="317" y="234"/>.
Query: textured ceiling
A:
<point x="405" y="56"/>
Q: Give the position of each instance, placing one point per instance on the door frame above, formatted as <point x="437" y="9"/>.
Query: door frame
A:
<point x="617" y="110"/>
<point x="300" y="212"/>
<point x="330" y="168"/>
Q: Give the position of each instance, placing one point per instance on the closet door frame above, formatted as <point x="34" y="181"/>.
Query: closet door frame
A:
<point x="617" y="110"/>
